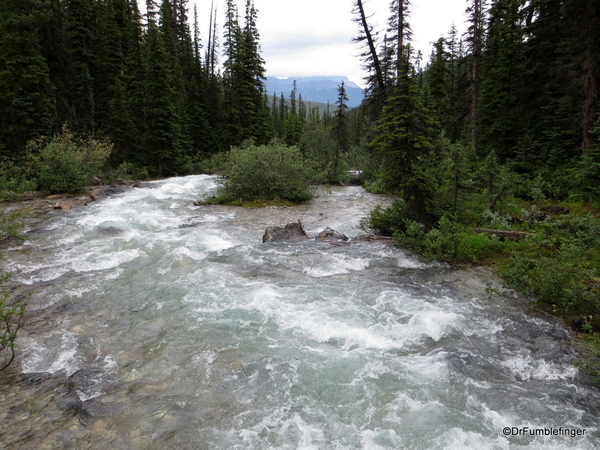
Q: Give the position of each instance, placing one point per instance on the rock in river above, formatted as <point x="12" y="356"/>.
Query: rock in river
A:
<point x="292" y="231"/>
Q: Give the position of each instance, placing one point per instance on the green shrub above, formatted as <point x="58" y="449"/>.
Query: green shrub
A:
<point x="265" y="172"/>
<point x="124" y="172"/>
<point x="375" y="186"/>
<point x="385" y="221"/>
<point x="13" y="180"/>
<point x="12" y="318"/>
<point x="12" y="315"/>
<point x="11" y="222"/>
<point x="322" y="153"/>
<point x="452" y="241"/>
<point x="65" y="163"/>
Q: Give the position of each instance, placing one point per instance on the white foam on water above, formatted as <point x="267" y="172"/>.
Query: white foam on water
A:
<point x="79" y="291"/>
<point x="55" y="356"/>
<point x="380" y="439"/>
<point x="204" y="361"/>
<point x="310" y="435"/>
<point x="459" y="439"/>
<point x="214" y="242"/>
<point x="69" y="239"/>
<point x="496" y="420"/>
<point x="431" y="366"/>
<point x="402" y="258"/>
<point x="336" y="264"/>
<point x="528" y="368"/>
<point x="91" y="263"/>
<point x="404" y="405"/>
<point x="412" y="319"/>
<point x="314" y="321"/>
<point x="114" y="274"/>
<point x="46" y="274"/>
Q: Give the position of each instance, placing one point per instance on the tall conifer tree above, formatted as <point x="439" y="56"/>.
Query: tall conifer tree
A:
<point x="406" y="140"/>
<point x="25" y="89"/>
<point x="503" y="78"/>
<point x="82" y="36"/>
<point x="475" y="39"/>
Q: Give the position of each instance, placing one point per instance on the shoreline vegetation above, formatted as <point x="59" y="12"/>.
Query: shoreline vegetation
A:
<point x="491" y="150"/>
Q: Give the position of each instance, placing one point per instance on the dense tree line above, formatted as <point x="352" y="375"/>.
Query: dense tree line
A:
<point x="146" y="83"/>
<point x="520" y="85"/>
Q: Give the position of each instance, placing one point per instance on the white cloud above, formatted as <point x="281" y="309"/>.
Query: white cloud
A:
<point x="313" y="37"/>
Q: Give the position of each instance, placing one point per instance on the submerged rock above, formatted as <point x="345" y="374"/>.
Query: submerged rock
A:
<point x="83" y="381"/>
<point x="68" y="204"/>
<point x="292" y="231"/>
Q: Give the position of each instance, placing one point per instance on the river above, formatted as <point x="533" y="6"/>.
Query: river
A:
<point x="158" y="324"/>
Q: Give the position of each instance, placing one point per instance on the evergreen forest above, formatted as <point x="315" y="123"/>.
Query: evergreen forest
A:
<point x="491" y="148"/>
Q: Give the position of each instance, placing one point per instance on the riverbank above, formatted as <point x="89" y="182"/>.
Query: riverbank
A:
<point x="548" y="251"/>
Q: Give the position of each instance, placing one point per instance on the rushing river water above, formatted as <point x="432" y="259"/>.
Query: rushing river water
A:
<point x="184" y="331"/>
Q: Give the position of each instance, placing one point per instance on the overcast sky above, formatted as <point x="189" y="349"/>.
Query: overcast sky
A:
<point x="313" y="37"/>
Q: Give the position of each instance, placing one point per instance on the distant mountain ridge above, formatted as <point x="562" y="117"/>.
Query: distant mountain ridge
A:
<point x="316" y="89"/>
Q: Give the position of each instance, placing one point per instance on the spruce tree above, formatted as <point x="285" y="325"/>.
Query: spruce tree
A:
<point x="475" y="39"/>
<point x="438" y="77"/>
<point x="293" y="122"/>
<point x="164" y="136"/>
<point x="25" y="88"/>
<point x="81" y="20"/>
<point x="246" y="110"/>
<point x="113" y="98"/>
<point x="503" y="78"/>
<point x="405" y="142"/>
<point x="340" y="127"/>
<point x="400" y="33"/>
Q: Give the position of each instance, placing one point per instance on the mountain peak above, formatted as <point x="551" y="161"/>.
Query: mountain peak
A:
<point x="317" y="89"/>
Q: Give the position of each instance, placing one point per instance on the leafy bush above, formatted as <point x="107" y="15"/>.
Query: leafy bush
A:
<point x="265" y="172"/>
<point x="11" y="320"/>
<point x="65" y="163"/>
<point x="124" y="172"/>
<point x="385" y="221"/>
<point x="11" y="222"/>
<point x="13" y="180"/>
<point x="452" y="241"/>
<point x="562" y="267"/>
<point x="12" y="315"/>
<point x="565" y="281"/>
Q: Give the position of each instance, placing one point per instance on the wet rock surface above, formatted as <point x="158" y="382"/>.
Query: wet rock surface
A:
<point x="293" y="231"/>
<point x="103" y="192"/>
<point x="331" y="235"/>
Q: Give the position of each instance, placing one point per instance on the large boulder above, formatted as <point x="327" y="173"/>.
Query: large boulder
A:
<point x="105" y="191"/>
<point x="331" y="235"/>
<point x="292" y="231"/>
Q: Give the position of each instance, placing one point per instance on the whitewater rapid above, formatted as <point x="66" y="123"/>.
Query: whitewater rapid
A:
<point x="196" y="335"/>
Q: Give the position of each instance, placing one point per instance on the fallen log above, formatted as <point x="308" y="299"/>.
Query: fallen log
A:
<point x="505" y="234"/>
